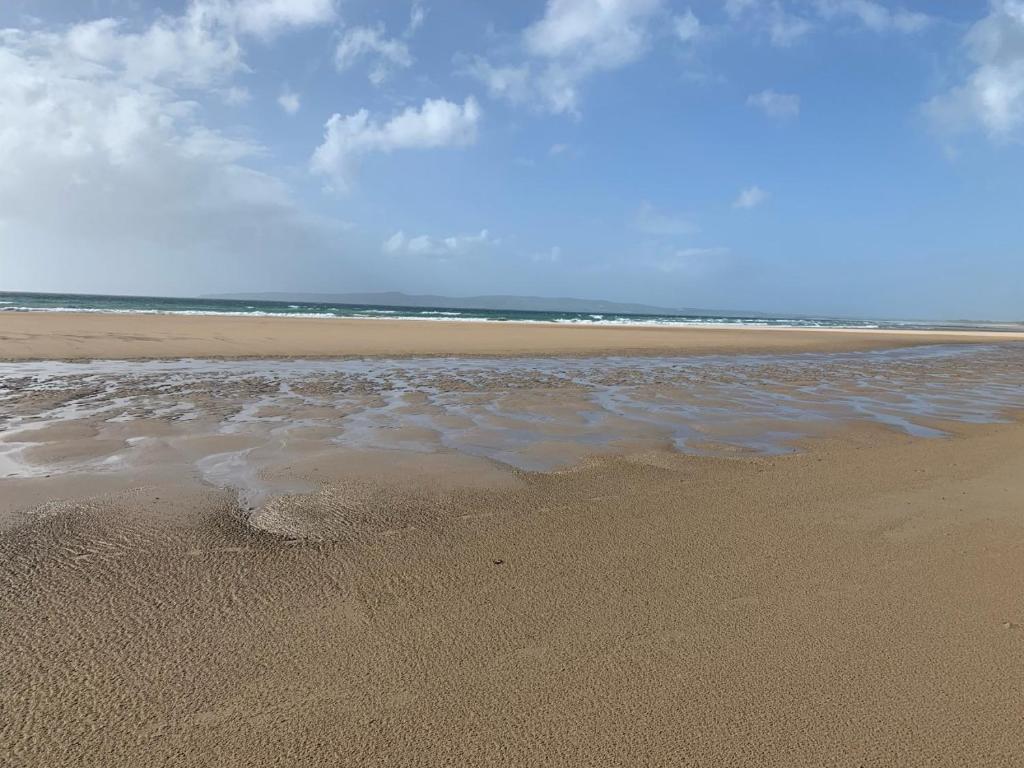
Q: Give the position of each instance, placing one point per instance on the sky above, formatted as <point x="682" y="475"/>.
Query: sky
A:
<point x="837" y="157"/>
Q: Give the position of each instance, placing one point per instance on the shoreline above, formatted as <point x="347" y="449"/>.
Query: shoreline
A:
<point x="238" y="422"/>
<point x="85" y="336"/>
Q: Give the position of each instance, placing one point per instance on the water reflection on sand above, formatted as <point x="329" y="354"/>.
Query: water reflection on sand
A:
<point x="230" y="421"/>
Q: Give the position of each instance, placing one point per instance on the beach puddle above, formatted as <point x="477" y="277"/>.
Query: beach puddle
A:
<point x="245" y="424"/>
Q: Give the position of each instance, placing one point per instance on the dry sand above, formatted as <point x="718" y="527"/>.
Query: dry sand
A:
<point x="855" y="605"/>
<point x="66" y="336"/>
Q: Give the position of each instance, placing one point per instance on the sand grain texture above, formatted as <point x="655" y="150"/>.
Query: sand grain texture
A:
<point x="857" y="604"/>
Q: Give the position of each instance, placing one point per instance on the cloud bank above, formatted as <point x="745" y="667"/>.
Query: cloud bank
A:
<point x="112" y="180"/>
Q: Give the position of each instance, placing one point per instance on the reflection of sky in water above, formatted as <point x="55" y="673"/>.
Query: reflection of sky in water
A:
<point x="528" y="413"/>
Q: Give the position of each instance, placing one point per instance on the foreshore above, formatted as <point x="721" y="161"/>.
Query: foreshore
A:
<point x="294" y="563"/>
<point x="857" y="604"/>
<point x="77" y="336"/>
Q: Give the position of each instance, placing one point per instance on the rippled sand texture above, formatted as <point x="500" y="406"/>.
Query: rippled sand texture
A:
<point x="236" y="423"/>
<point x="398" y="595"/>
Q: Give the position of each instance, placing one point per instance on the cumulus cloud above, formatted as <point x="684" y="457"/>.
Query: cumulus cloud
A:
<point x="875" y="16"/>
<point x="57" y="107"/>
<point x="785" y="29"/>
<point x="113" y="182"/>
<point x="514" y="83"/>
<point x="267" y="18"/>
<point x="775" y="104"/>
<point x="768" y="17"/>
<point x="235" y="96"/>
<point x="385" y="54"/>
<point x="751" y="197"/>
<point x="438" y="247"/>
<point x="612" y="32"/>
<point x="196" y="49"/>
<point x="686" y="26"/>
<point x="200" y="47"/>
<point x="437" y="123"/>
<point x="289" y="101"/>
<point x="573" y="40"/>
<point x="651" y="221"/>
<point x="992" y="96"/>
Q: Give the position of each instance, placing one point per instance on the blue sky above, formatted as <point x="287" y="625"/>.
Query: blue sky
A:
<point x="817" y="156"/>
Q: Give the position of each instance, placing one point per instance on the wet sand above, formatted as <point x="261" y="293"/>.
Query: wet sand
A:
<point x="76" y="336"/>
<point x="403" y="595"/>
<point x="235" y="423"/>
<point x="856" y="604"/>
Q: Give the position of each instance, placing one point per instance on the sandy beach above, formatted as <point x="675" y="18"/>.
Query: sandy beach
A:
<point x="75" y="336"/>
<point x="564" y="384"/>
<point x="546" y="561"/>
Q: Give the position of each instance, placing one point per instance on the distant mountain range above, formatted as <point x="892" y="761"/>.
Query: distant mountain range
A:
<point x="499" y="303"/>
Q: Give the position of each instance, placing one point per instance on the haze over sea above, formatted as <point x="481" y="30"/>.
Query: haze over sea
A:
<point x="68" y="302"/>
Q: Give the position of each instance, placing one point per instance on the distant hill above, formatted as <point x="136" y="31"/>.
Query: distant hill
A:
<point x="520" y="303"/>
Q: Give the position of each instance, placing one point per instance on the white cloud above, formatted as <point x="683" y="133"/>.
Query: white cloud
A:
<point x="437" y="123"/>
<point x="875" y="16"/>
<point x="580" y="37"/>
<point x="609" y="32"/>
<point x="775" y="104"/>
<point x="785" y="29"/>
<point x="769" y="17"/>
<point x="737" y="8"/>
<point x="438" y="247"/>
<point x="651" y="221"/>
<point x="196" y="49"/>
<point x="512" y="83"/>
<point x="417" y="15"/>
<point x="992" y="96"/>
<point x="386" y="54"/>
<point x="112" y="181"/>
<point x="236" y="96"/>
<point x="98" y="90"/>
<point x="267" y="18"/>
<point x="572" y="41"/>
<point x="289" y="101"/>
<point x="395" y="243"/>
<point x="751" y="197"/>
<point x="686" y="26"/>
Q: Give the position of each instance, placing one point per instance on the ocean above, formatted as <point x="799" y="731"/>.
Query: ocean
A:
<point x="69" y="302"/>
